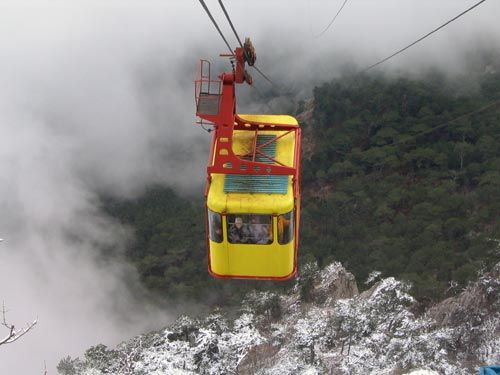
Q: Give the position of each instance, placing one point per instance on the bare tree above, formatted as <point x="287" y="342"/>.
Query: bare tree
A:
<point x="14" y="334"/>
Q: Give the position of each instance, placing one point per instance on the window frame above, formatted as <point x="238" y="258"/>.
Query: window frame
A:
<point x="247" y="222"/>
<point x="211" y="228"/>
<point x="290" y="230"/>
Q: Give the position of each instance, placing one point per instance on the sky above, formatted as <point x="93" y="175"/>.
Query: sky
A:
<point x="96" y="98"/>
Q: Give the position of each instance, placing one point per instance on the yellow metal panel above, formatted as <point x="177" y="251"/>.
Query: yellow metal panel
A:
<point x="219" y="201"/>
<point x="272" y="260"/>
<point x="252" y="203"/>
<point x="270" y="119"/>
<point x="250" y="260"/>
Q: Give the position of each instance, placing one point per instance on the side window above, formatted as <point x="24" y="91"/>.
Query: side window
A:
<point x="285" y="228"/>
<point x="215" y="226"/>
<point x="250" y="229"/>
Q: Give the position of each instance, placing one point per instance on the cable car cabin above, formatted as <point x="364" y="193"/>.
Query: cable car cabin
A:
<point x="251" y="218"/>
<point x="253" y="178"/>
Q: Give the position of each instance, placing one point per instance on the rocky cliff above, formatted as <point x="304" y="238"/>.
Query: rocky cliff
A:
<point x="322" y="326"/>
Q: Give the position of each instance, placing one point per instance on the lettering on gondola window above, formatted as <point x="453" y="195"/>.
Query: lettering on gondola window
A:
<point x="214" y="226"/>
<point x="285" y="228"/>
<point x="250" y="229"/>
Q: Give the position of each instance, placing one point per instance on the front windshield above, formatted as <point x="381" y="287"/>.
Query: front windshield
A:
<point x="250" y="229"/>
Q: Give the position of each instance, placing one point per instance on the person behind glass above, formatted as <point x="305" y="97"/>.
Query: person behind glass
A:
<point x="259" y="233"/>
<point x="238" y="232"/>
<point x="216" y="229"/>
<point x="284" y="235"/>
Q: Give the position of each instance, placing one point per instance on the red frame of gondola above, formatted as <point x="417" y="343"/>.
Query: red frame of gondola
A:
<point x="223" y="160"/>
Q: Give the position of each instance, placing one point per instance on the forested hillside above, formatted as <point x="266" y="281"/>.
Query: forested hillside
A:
<point x="414" y="182"/>
<point x="400" y="176"/>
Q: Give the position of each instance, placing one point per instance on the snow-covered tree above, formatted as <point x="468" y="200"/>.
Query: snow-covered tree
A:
<point x="13" y="334"/>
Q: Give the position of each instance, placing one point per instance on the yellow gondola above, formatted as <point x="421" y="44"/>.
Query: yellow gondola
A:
<point x="253" y="182"/>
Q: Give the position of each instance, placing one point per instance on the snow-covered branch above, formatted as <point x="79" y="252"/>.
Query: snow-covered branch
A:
<point x="14" y="334"/>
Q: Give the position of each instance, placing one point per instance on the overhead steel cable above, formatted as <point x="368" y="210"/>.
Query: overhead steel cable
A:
<point x="262" y="97"/>
<point x="216" y="26"/>
<point x="202" y="2"/>
<point x="492" y="104"/>
<point x="422" y="38"/>
<point x="333" y="20"/>
<point x="263" y="75"/>
<point x="241" y="44"/>
<point x="230" y="49"/>
<point x="230" y="23"/>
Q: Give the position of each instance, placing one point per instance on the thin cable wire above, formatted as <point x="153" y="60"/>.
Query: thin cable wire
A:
<point x="230" y="23"/>
<point x="263" y="75"/>
<point x="239" y="41"/>
<point x="262" y="97"/>
<point x="233" y="28"/>
<point x="333" y="20"/>
<point x="468" y="114"/>
<point x="425" y="36"/>
<point x="215" y="24"/>
<point x="241" y="44"/>
<point x="228" y="46"/>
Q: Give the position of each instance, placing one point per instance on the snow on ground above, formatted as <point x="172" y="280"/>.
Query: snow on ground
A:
<point x="374" y="332"/>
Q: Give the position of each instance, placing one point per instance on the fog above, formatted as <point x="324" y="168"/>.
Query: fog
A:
<point x="96" y="97"/>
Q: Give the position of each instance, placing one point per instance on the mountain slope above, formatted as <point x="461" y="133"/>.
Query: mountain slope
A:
<point x="392" y="181"/>
<point x="339" y="331"/>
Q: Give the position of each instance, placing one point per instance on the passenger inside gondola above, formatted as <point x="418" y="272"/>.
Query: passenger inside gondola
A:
<point x="250" y="229"/>
<point x="238" y="231"/>
<point x="259" y="231"/>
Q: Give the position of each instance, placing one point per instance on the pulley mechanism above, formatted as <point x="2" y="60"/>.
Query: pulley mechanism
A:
<point x="249" y="51"/>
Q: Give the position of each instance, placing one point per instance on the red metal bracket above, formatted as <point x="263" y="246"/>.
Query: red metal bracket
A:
<point x="216" y="103"/>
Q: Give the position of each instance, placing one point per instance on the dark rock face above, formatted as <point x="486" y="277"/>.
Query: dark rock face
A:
<point x="479" y="300"/>
<point x="334" y="283"/>
<point x="184" y="329"/>
<point x="258" y="357"/>
<point x="474" y="316"/>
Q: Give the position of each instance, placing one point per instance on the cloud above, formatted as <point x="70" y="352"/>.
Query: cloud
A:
<point x="96" y="97"/>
